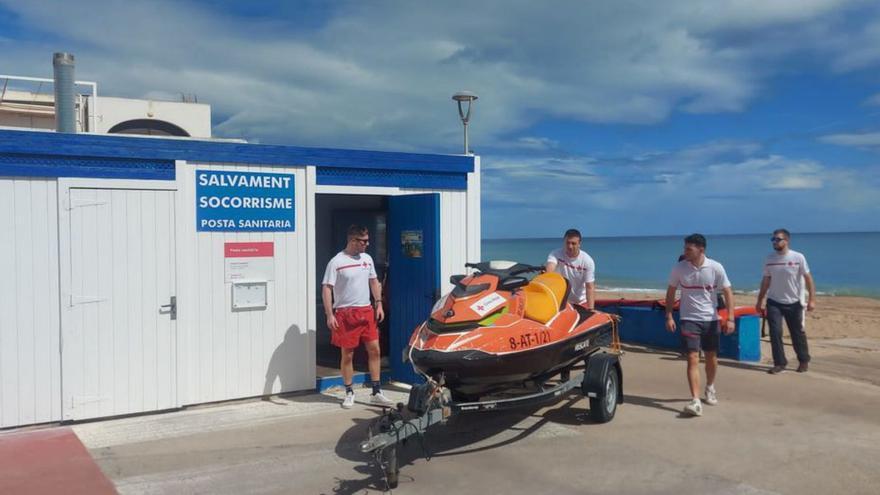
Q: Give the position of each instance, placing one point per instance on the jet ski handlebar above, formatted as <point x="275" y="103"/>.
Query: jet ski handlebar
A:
<point x="527" y="269"/>
<point x="504" y="268"/>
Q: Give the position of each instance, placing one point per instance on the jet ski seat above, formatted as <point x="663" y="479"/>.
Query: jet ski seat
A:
<point x="545" y="295"/>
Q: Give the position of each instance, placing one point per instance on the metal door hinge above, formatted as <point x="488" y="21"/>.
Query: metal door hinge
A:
<point x="75" y="300"/>
<point x="79" y="203"/>
<point x="81" y="400"/>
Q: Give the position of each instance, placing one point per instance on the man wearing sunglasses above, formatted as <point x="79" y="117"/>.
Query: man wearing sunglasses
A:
<point x="349" y="279"/>
<point x="784" y="271"/>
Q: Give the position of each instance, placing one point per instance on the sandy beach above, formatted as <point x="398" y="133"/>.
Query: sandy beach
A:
<point x="835" y="317"/>
<point x="843" y="333"/>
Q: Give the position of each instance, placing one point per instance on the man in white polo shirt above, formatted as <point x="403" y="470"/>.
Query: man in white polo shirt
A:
<point x="698" y="278"/>
<point x="348" y="280"/>
<point x="783" y="272"/>
<point x="576" y="266"/>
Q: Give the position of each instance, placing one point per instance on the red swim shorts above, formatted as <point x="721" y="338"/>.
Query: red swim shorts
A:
<point x="356" y="324"/>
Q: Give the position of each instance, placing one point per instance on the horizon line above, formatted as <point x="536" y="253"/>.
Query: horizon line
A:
<point x="629" y="236"/>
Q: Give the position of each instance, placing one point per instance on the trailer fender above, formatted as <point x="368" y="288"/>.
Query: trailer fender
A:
<point x="598" y="366"/>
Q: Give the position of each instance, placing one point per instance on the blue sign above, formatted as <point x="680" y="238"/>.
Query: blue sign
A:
<point x="230" y="201"/>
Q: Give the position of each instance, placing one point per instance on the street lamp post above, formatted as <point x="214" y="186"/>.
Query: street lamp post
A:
<point x="469" y="98"/>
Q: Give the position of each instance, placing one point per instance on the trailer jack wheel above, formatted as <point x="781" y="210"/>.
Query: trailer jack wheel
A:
<point x="389" y="466"/>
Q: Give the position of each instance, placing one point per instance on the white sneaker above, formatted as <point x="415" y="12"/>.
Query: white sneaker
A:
<point x="348" y="402"/>
<point x="380" y="400"/>
<point x="694" y="408"/>
<point x="711" y="396"/>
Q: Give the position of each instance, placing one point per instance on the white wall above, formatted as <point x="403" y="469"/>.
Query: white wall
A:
<point x="30" y="360"/>
<point x="225" y="354"/>
<point x="454" y="238"/>
<point x="194" y="118"/>
<point x="474" y="214"/>
<point x="460" y="234"/>
<point x="27" y="121"/>
<point x="221" y="354"/>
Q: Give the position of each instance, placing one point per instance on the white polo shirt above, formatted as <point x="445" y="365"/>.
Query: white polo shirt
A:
<point x="786" y="272"/>
<point x="350" y="277"/>
<point x="698" y="285"/>
<point x="578" y="271"/>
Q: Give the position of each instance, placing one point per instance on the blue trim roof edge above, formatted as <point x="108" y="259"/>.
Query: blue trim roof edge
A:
<point x="105" y="146"/>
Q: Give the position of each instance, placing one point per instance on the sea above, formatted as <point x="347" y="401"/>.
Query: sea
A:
<point x="841" y="263"/>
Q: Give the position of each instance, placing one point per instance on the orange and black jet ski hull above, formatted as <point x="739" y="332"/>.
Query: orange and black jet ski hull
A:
<point x="473" y="373"/>
<point x="498" y="330"/>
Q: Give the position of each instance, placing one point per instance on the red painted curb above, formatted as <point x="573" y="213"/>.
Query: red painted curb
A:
<point x="49" y="461"/>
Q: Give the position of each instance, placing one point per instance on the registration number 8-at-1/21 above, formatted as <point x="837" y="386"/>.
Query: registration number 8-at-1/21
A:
<point x="529" y="339"/>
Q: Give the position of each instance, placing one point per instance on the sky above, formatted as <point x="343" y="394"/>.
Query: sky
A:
<point x="617" y="118"/>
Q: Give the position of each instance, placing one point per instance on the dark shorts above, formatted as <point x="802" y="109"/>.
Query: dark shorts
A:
<point x="696" y="335"/>
<point x="356" y="325"/>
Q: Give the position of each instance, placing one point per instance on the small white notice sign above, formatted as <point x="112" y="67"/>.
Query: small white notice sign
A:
<point x="249" y="261"/>
<point x="249" y="295"/>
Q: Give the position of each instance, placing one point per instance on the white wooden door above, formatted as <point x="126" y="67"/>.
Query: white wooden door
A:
<point x="119" y="348"/>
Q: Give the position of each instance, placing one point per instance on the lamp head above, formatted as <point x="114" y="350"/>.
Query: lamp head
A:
<point x="465" y="96"/>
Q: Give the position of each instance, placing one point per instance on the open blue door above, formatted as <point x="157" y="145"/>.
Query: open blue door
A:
<point x="413" y="271"/>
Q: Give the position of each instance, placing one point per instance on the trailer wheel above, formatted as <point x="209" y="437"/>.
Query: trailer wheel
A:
<point x="389" y="466"/>
<point x="602" y="408"/>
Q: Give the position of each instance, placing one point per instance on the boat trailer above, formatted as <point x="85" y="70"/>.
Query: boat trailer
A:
<point x="431" y="403"/>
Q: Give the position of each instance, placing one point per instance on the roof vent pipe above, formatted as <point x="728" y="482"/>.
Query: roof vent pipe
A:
<point x="65" y="99"/>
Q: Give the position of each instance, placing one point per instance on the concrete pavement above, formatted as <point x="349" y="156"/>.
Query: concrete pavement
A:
<point x="793" y="433"/>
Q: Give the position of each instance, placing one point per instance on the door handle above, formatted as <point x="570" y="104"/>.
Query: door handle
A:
<point x="171" y="306"/>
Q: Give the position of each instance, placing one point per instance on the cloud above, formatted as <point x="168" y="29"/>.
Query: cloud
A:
<point x="859" y="140"/>
<point x="772" y="173"/>
<point x="854" y="191"/>
<point x="377" y="76"/>
<point x="723" y="186"/>
<point x="862" y="47"/>
<point x="340" y="75"/>
<point x="873" y="100"/>
<point x="535" y="143"/>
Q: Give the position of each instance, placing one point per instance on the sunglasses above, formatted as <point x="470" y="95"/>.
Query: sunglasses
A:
<point x="777" y="239"/>
<point x="363" y="241"/>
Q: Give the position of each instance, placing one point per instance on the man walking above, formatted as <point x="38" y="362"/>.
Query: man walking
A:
<point x="783" y="272"/>
<point x="349" y="279"/>
<point x="576" y="266"/>
<point x="698" y="278"/>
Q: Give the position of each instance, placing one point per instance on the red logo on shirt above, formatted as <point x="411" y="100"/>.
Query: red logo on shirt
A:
<point x="362" y="265"/>
<point x="573" y="267"/>
<point x="707" y="287"/>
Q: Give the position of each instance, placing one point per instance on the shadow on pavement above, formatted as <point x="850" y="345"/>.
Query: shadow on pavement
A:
<point x="656" y="403"/>
<point x="306" y="397"/>
<point x="464" y="433"/>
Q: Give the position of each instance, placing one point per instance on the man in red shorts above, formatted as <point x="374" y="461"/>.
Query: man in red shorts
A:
<point x="349" y="279"/>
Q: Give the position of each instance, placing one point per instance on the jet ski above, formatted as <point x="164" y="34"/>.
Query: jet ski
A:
<point x="498" y="329"/>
